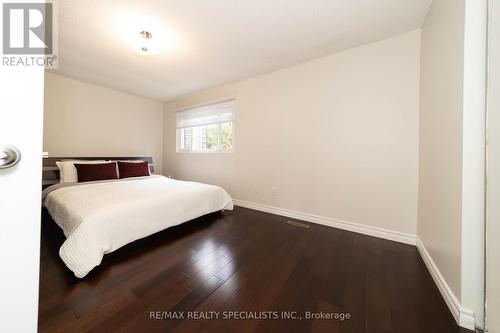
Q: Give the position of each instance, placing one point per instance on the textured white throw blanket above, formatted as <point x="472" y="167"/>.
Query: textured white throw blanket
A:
<point x="100" y="217"/>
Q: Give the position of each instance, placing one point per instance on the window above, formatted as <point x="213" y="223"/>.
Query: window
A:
<point x="206" y="128"/>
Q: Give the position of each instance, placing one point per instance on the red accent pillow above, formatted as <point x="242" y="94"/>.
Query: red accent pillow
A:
<point x="92" y="172"/>
<point x="133" y="169"/>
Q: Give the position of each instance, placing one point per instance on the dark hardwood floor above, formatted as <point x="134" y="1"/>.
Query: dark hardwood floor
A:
<point x="243" y="261"/>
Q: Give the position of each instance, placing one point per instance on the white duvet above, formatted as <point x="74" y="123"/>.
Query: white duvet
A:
<point x="100" y="217"/>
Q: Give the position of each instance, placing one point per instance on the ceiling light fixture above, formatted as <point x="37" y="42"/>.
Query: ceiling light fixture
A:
<point x="144" y="33"/>
<point x="146" y="45"/>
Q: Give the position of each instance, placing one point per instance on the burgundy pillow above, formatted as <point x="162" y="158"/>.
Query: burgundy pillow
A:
<point x="100" y="171"/>
<point x="133" y="169"/>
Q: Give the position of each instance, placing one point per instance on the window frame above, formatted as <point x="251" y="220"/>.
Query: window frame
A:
<point x="217" y="150"/>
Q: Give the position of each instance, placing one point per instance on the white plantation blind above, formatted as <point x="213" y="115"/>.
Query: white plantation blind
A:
<point x="213" y="113"/>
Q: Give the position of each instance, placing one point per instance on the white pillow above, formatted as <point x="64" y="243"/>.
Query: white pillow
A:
<point x="67" y="169"/>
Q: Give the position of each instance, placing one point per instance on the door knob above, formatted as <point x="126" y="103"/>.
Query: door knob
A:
<point x="9" y="156"/>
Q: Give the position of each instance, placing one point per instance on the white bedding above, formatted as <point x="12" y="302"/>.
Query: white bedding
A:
<point x="100" y="217"/>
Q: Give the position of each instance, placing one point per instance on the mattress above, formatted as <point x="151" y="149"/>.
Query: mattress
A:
<point x="100" y="217"/>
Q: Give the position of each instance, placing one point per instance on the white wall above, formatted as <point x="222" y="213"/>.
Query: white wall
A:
<point x="493" y="188"/>
<point x="82" y="119"/>
<point x="335" y="137"/>
<point x="441" y="105"/>
<point x="473" y="158"/>
<point x="451" y="178"/>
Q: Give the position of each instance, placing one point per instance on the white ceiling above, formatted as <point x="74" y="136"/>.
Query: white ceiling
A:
<point x="212" y="42"/>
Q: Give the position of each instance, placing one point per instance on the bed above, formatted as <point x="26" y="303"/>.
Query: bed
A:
<point x="98" y="217"/>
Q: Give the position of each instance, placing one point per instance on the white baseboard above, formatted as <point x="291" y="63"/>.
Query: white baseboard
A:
<point x="335" y="223"/>
<point x="463" y="316"/>
<point x="466" y="319"/>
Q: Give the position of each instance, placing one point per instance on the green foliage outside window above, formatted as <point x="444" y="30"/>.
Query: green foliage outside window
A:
<point x="226" y="135"/>
<point x="207" y="137"/>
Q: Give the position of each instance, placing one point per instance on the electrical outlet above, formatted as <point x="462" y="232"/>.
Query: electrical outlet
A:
<point x="273" y="191"/>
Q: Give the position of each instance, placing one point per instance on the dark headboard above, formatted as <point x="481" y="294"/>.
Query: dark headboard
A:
<point x="51" y="171"/>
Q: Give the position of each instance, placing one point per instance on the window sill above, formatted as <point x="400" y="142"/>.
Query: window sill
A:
<point x="218" y="151"/>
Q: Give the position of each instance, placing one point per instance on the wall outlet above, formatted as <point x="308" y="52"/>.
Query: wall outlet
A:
<point x="273" y="191"/>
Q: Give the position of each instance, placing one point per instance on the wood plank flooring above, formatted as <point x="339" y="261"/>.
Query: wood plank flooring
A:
<point x="238" y="261"/>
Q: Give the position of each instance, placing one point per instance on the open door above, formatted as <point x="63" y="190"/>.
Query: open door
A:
<point x="21" y="124"/>
<point x="21" y="120"/>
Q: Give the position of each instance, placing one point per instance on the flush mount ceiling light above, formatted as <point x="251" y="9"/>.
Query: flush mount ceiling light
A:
<point x="144" y="33"/>
<point x="146" y="44"/>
